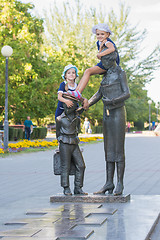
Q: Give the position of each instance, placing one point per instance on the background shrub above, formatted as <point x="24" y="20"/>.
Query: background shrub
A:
<point x="18" y="134"/>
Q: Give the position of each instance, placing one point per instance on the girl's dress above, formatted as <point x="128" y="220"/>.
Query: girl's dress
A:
<point x="117" y="60"/>
<point x="61" y="89"/>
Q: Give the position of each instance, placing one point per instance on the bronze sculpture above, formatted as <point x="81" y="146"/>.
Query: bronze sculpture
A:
<point x="113" y="92"/>
<point x="67" y="127"/>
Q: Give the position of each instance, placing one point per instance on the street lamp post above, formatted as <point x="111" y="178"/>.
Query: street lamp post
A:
<point x="6" y="52"/>
<point x="149" y="102"/>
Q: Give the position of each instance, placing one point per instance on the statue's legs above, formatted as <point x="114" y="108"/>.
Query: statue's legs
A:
<point x="120" y="153"/>
<point x="114" y="137"/>
<point x="80" y="168"/>
<point x="109" y="144"/>
<point x="65" y="156"/>
<point x="108" y="186"/>
<point x="120" y="174"/>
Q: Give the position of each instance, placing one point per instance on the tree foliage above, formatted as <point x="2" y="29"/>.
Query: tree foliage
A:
<point x="70" y="34"/>
<point x="39" y="57"/>
<point x="30" y="77"/>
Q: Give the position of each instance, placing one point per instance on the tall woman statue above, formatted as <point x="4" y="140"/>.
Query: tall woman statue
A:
<point x="113" y="92"/>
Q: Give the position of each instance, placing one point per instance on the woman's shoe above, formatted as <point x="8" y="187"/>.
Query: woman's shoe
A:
<point x="119" y="189"/>
<point x="107" y="187"/>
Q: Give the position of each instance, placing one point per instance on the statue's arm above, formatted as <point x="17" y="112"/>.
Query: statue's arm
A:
<point x="95" y="98"/>
<point x="125" y="89"/>
<point x="78" y="124"/>
<point x="58" y="126"/>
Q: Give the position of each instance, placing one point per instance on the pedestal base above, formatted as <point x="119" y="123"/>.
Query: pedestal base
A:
<point x="91" y="198"/>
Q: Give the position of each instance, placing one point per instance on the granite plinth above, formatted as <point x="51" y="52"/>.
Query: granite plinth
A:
<point x="91" y="198"/>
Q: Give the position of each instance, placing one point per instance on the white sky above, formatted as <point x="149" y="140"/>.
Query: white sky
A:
<point x="145" y="13"/>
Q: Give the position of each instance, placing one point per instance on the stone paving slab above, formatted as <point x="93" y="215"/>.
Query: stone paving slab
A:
<point x="53" y="214"/>
<point x="37" y="213"/>
<point x="93" y="219"/>
<point x="105" y="210"/>
<point x="72" y="207"/>
<point x="76" y="234"/>
<point x="20" y="238"/>
<point x="68" y="235"/>
<point x="35" y="223"/>
<point x="51" y="232"/>
<point x="23" y="232"/>
<point x="24" y="238"/>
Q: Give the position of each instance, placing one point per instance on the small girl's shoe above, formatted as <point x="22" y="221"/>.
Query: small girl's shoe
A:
<point x="67" y="191"/>
<point x="75" y="93"/>
<point x="78" y="190"/>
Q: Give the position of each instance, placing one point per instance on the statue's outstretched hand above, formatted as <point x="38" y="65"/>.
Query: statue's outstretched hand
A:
<point x="85" y="104"/>
<point x="84" y="107"/>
